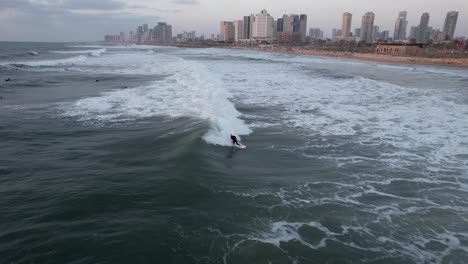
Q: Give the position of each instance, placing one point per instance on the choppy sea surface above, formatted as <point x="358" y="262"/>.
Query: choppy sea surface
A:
<point x="121" y="154"/>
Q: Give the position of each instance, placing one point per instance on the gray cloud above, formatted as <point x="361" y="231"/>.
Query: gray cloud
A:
<point x="93" y="4"/>
<point x="54" y="20"/>
<point x="187" y="2"/>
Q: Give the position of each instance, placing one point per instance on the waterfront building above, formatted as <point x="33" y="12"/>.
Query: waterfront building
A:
<point x="227" y="31"/>
<point x="413" y="33"/>
<point x="397" y="48"/>
<point x="139" y="34"/>
<point x="385" y="35"/>
<point x="279" y="25"/>
<point x="162" y="32"/>
<point x="346" y="25"/>
<point x="423" y="28"/>
<point x="264" y="27"/>
<point x="450" y="25"/>
<point x="248" y="24"/>
<point x="288" y="37"/>
<point x="238" y="29"/>
<point x="400" y="26"/>
<point x="437" y="35"/>
<point x="376" y="33"/>
<point x="367" y="27"/>
<point x="303" y="26"/>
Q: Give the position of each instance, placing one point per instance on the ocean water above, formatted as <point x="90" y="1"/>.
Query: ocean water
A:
<point x="121" y="154"/>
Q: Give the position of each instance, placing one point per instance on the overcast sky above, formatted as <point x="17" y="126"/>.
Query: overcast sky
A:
<point x="89" y="20"/>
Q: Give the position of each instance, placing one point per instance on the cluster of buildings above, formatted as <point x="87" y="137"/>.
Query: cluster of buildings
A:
<point x="262" y="27"/>
<point x="369" y="32"/>
<point x="162" y="32"/>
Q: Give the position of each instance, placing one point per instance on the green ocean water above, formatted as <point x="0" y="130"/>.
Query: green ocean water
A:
<point x="121" y="154"/>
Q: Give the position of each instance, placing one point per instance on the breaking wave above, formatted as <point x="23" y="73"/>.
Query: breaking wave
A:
<point x="189" y="90"/>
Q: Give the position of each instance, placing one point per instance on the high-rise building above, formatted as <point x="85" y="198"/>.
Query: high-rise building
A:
<point x="400" y="26"/>
<point x="264" y="27"/>
<point x="437" y="35"/>
<point x="238" y="29"/>
<point x="414" y="33"/>
<point x="279" y="25"/>
<point x="423" y="28"/>
<point x="385" y="35"/>
<point x="346" y="26"/>
<point x="162" y="32"/>
<point x="145" y="27"/>
<point x="367" y="27"/>
<point x="376" y="33"/>
<point x="139" y="33"/>
<point x="449" y="25"/>
<point x="248" y="24"/>
<point x="227" y="31"/>
<point x="294" y="23"/>
<point x="303" y="26"/>
<point x="290" y="23"/>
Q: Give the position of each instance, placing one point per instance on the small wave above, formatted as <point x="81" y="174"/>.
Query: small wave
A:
<point x="32" y="53"/>
<point x="94" y="52"/>
<point x="48" y="63"/>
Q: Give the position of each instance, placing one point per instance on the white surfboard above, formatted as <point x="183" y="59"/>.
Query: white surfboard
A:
<point x="240" y="146"/>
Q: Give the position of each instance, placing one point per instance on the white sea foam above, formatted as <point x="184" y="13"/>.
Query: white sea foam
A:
<point x="190" y="90"/>
<point x="50" y="63"/>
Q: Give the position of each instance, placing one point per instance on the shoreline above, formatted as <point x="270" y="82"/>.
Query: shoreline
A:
<point x="461" y="63"/>
<point x="393" y="59"/>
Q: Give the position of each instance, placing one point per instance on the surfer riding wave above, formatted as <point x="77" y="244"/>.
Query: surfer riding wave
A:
<point x="234" y="140"/>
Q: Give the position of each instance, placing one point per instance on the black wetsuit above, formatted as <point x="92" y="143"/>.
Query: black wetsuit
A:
<point x="234" y="140"/>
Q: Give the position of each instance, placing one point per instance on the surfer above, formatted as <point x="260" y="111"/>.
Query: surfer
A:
<point x="234" y="140"/>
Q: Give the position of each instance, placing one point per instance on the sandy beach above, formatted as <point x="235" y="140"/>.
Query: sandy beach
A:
<point x="449" y="62"/>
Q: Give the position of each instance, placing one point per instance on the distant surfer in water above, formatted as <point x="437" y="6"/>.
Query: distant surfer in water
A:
<point x="234" y="140"/>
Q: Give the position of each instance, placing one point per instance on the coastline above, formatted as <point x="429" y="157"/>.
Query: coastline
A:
<point x="445" y="62"/>
<point x="385" y="58"/>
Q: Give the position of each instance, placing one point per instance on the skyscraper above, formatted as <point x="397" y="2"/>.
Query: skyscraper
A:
<point x="367" y="27"/>
<point x="450" y="24"/>
<point x="248" y="24"/>
<point x="264" y="26"/>
<point x="162" y="32"/>
<point x="227" y="31"/>
<point x="238" y="29"/>
<point x="400" y="26"/>
<point x="279" y="25"/>
<point x="290" y="23"/>
<point x="139" y="34"/>
<point x="303" y="26"/>
<point x="423" y="28"/>
<point x="346" y="26"/>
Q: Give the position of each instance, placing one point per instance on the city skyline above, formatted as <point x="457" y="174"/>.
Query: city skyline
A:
<point x="87" y="20"/>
